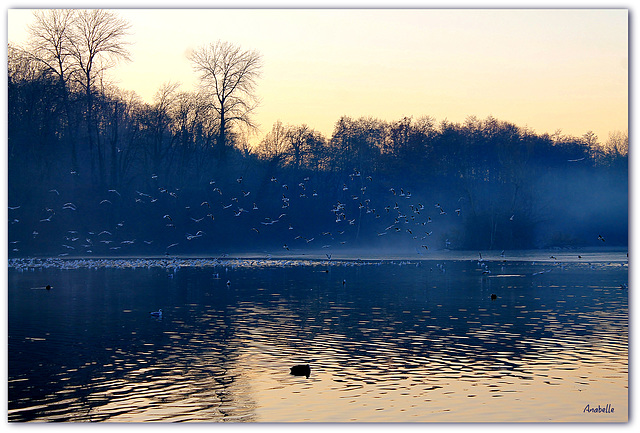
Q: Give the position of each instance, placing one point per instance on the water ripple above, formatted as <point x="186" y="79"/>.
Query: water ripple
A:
<point x="392" y="345"/>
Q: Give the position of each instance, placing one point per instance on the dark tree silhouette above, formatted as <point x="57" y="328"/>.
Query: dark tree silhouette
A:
<point x="228" y="76"/>
<point x="50" y="44"/>
<point x="96" y="41"/>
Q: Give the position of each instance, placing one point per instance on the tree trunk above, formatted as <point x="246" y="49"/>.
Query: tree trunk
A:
<point x="114" y="150"/>
<point x="222" y="136"/>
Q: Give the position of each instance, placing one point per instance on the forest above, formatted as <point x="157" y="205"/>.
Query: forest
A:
<point x="95" y="171"/>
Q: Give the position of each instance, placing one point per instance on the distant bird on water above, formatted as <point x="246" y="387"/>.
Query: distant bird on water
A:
<point x="157" y="313"/>
<point x="494" y="297"/>
<point x="600" y="238"/>
<point x="301" y="370"/>
<point x="48" y="287"/>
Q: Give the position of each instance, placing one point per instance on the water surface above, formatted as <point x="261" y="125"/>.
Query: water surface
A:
<point x="393" y="340"/>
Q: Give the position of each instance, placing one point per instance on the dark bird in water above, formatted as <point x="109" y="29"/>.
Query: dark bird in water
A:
<point x="48" y="287"/>
<point x="156" y="313"/>
<point x="600" y="238"/>
<point x="494" y="296"/>
<point x="301" y="370"/>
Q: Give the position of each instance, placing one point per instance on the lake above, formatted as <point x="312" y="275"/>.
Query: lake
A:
<point x="401" y="339"/>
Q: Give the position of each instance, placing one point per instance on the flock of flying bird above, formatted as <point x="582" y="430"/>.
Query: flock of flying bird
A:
<point x="182" y="224"/>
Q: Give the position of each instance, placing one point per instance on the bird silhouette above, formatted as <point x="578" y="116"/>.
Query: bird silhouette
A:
<point x="301" y="370"/>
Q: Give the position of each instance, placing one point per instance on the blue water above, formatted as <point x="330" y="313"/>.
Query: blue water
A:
<point x="387" y="340"/>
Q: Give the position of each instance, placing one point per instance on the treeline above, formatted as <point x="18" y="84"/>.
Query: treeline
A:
<point x="77" y="146"/>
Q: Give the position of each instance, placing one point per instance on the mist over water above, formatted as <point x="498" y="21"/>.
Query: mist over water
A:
<point x="386" y="340"/>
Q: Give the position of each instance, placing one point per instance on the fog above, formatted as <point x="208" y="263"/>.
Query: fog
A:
<point x="257" y="210"/>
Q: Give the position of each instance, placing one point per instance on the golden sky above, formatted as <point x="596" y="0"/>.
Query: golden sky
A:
<point x="547" y="69"/>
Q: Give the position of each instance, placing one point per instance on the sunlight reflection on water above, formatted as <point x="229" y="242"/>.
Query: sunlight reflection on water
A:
<point x="401" y="341"/>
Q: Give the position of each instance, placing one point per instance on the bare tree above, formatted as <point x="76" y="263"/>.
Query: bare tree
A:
<point x="160" y="122"/>
<point x="618" y="143"/>
<point x="275" y="146"/>
<point x="228" y="74"/>
<point x="49" y="41"/>
<point x="590" y="139"/>
<point x="50" y="45"/>
<point x="297" y="137"/>
<point x="96" y="42"/>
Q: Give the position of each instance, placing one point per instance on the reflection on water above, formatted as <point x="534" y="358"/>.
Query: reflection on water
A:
<point x="386" y="341"/>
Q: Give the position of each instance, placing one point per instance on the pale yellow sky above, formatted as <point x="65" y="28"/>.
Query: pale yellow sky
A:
<point x="546" y="69"/>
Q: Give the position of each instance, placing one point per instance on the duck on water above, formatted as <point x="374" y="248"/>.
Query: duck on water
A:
<point x="301" y="370"/>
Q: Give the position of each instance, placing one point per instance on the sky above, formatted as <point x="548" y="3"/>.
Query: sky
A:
<point x="546" y="69"/>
